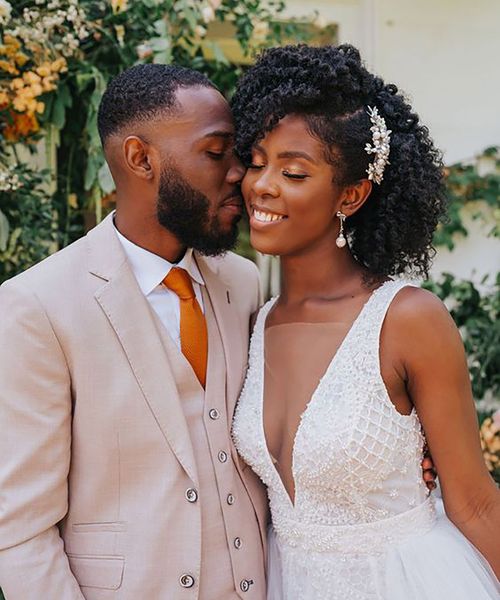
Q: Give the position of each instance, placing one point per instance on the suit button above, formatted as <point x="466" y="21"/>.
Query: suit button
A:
<point x="222" y="456"/>
<point x="230" y="499"/>
<point x="213" y="414"/>
<point x="237" y="543"/>
<point x="191" y="495"/>
<point x="245" y="585"/>
<point x="186" y="581"/>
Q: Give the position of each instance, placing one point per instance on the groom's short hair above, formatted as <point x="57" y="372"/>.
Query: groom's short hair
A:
<point x="142" y="93"/>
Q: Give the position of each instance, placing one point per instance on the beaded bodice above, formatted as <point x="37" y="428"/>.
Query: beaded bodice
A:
<point x="356" y="459"/>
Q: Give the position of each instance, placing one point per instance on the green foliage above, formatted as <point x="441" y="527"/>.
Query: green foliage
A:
<point x="475" y="184"/>
<point x="27" y="230"/>
<point x="477" y="317"/>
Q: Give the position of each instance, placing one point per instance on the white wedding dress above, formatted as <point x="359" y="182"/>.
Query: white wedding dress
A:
<point x="362" y="525"/>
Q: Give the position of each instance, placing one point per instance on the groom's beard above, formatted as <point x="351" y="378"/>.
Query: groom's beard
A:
<point x="185" y="212"/>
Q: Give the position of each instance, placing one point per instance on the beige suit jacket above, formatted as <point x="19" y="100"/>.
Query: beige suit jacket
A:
<point x="95" y="453"/>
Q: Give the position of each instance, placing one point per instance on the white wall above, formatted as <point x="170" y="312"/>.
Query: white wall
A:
<point x="444" y="55"/>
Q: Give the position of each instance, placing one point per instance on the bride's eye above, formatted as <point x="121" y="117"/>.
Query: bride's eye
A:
<point x="294" y="175"/>
<point x="254" y="166"/>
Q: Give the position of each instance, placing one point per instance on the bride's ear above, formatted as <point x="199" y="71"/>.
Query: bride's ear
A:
<point x="354" y="196"/>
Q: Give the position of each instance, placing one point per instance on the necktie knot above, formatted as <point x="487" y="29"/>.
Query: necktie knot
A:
<point x="179" y="281"/>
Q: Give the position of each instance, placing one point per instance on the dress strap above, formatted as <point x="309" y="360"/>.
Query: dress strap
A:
<point x="383" y="301"/>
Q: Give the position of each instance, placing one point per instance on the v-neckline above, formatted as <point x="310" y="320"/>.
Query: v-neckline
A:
<point x="329" y="368"/>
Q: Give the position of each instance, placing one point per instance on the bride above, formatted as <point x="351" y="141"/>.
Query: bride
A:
<point x="354" y="368"/>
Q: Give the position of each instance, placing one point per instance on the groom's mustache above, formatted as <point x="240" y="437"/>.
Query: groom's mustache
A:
<point x="234" y="197"/>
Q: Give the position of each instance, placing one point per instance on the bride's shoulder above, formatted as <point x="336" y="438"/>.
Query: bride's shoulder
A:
<point x="418" y="315"/>
<point x="414" y="304"/>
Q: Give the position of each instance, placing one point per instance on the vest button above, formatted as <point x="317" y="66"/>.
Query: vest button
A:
<point x="245" y="585"/>
<point x="230" y="499"/>
<point x="191" y="495"/>
<point x="237" y="543"/>
<point x="186" y="581"/>
<point x="222" y="456"/>
<point x="213" y="413"/>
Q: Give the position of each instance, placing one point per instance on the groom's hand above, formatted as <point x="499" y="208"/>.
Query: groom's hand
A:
<point x="428" y="470"/>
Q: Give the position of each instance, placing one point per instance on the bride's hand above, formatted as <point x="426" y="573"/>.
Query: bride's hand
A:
<point x="428" y="471"/>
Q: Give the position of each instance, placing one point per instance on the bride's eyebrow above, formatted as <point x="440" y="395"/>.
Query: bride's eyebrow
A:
<point x="297" y="154"/>
<point x="288" y="154"/>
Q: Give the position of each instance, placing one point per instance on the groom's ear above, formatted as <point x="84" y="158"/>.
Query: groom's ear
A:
<point x="138" y="157"/>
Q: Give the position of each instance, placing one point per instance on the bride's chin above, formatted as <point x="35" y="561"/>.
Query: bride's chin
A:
<point x="265" y="246"/>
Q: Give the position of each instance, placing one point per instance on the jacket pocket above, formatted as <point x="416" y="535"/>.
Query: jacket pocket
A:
<point x="113" y="526"/>
<point x="104" y="572"/>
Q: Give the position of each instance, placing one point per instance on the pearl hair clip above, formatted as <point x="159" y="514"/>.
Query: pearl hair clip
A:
<point x="381" y="137"/>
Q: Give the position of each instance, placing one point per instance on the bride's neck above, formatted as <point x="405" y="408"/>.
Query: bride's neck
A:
<point x="318" y="273"/>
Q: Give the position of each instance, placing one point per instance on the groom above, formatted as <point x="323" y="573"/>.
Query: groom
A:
<point x="121" y="359"/>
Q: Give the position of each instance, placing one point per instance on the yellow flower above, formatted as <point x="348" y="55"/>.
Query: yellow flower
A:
<point x="26" y="92"/>
<point x="19" y="104"/>
<point x="40" y="107"/>
<point x="8" y="67"/>
<point x="10" y="40"/>
<point x="59" y="65"/>
<point x="48" y="83"/>
<point x="21" y="59"/>
<point x="119" y="5"/>
<point x="490" y="443"/>
<point x="32" y="105"/>
<point x="30" y="77"/>
<point x="17" y="84"/>
<point x="37" y="90"/>
<point x="44" y="70"/>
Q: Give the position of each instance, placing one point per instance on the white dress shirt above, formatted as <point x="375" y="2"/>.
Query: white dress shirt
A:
<point x="150" y="270"/>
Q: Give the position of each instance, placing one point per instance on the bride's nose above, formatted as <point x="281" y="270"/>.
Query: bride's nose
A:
<point x="265" y="184"/>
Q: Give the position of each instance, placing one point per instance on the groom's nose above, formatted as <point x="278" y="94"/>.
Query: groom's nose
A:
<point x="236" y="170"/>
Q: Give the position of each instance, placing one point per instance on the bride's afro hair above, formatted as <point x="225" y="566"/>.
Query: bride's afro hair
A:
<point x="330" y="87"/>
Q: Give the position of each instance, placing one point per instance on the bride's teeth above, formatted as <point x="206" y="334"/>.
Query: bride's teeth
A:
<point x="266" y="217"/>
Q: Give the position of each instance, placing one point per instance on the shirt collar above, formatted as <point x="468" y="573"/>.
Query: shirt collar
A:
<point x="150" y="269"/>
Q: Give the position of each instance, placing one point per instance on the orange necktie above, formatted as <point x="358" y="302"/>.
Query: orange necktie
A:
<point x="194" y="337"/>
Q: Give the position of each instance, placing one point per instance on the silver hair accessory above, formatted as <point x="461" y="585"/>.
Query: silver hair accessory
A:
<point x="381" y="137"/>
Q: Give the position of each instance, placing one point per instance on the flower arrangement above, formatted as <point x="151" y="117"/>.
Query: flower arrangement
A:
<point x="36" y="44"/>
<point x="490" y="443"/>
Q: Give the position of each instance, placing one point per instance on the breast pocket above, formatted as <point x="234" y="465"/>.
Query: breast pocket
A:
<point x="113" y="526"/>
<point x="101" y="572"/>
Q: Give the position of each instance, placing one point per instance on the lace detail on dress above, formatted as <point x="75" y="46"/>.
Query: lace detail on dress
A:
<point x="350" y="440"/>
<point x="357" y="472"/>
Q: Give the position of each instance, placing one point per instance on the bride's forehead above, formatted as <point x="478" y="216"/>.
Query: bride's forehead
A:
<point x="292" y="130"/>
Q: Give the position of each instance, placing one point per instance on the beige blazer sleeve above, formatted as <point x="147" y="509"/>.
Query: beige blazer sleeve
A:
<point x="35" y="441"/>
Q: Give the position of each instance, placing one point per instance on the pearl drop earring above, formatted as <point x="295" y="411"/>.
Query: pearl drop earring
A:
<point x="341" y="241"/>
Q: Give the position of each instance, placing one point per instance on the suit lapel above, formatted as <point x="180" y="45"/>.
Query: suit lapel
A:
<point x="226" y="317"/>
<point x="130" y="316"/>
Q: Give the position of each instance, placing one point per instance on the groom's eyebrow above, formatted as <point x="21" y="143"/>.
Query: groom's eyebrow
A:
<point x="220" y="133"/>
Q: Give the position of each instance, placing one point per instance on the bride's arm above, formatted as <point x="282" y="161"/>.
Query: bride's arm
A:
<point x="438" y="384"/>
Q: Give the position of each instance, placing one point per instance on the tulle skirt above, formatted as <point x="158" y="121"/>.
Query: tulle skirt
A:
<point x="440" y="564"/>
